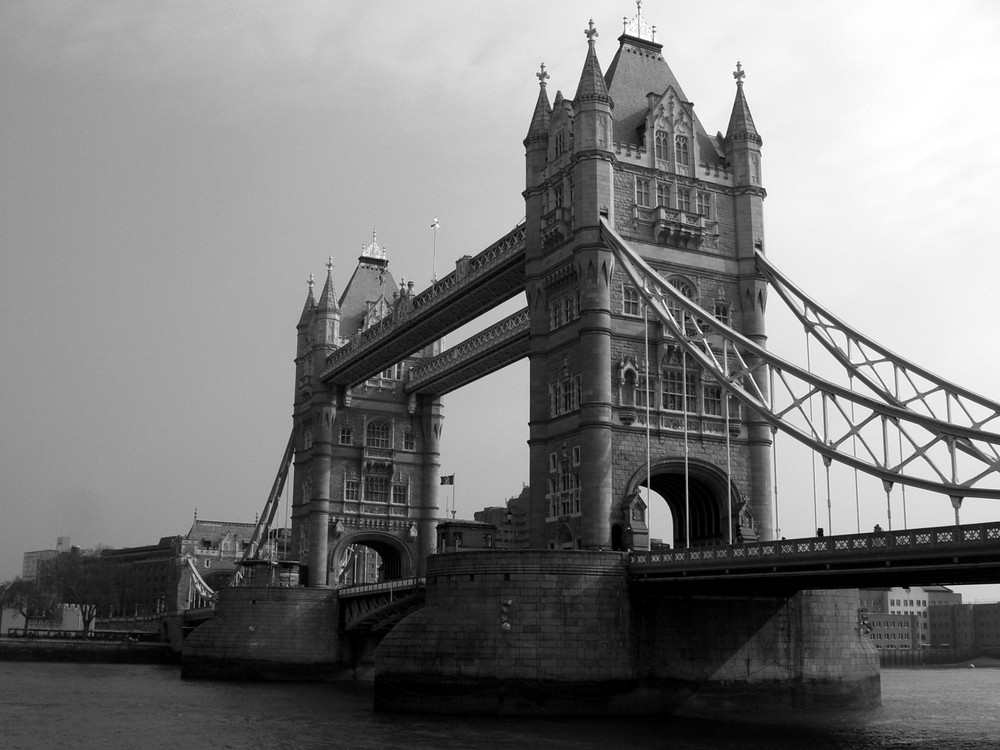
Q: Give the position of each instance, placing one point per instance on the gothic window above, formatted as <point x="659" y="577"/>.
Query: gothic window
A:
<point x="376" y="489"/>
<point x="630" y="301"/>
<point x="345" y="434"/>
<point x="560" y="142"/>
<point x="704" y="204"/>
<point x="351" y="490"/>
<point x="409" y="442"/>
<point x="723" y="313"/>
<point x="558" y="195"/>
<point x="676" y="395"/>
<point x="643" y="392"/>
<point x="555" y="315"/>
<point x="399" y="494"/>
<point x="675" y="309"/>
<point x="661" y="145"/>
<point x="681" y="149"/>
<point x="684" y="199"/>
<point x="378" y="434"/>
<point x="663" y="194"/>
<point x="641" y="191"/>
<point x="712" y="400"/>
<point x="565" y="395"/>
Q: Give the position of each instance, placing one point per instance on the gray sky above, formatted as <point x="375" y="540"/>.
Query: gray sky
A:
<point x="171" y="172"/>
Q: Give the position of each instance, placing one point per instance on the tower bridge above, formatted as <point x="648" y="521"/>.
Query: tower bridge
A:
<point x="642" y="262"/>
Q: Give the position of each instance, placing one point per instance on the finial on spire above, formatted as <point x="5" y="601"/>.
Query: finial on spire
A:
<point x="739" y="74"/>
<point x="637" y="26"/>
<point x="312" y="280"/>
<point x="542" y="75"/>
<point x="329" y="265"/>
<point x="373" y="250"/>
<point x="591" y="32"/>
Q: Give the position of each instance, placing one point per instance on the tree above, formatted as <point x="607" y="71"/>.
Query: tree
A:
<point x="28" y="598"/>
<point x="87" y="579"/>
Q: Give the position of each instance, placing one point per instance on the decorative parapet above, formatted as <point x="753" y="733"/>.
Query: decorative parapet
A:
<point x="674" y="227"/>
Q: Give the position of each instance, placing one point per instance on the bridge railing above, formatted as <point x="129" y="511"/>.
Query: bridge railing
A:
<point x="874" y="544"/>
<point x="368" y="589"/>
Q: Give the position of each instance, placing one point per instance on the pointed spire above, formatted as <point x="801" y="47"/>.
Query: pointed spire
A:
<point x="328" y="298"/>
<point x="592" y="86"/>
<point x="539" y="129"/>
<point x="310" y="305"/>
<point x="740" y="121"/>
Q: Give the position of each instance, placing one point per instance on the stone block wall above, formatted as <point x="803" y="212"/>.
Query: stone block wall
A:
<point x="267" y="633"/>
<point x="519" y="631"/>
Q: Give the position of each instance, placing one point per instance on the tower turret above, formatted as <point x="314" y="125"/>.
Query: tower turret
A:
<point x="592" y="140"/>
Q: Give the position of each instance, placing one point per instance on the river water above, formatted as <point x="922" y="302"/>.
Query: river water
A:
<point x="50" y="705"/>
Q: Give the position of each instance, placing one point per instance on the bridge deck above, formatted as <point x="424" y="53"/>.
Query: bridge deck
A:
<point x="948" y="555"/>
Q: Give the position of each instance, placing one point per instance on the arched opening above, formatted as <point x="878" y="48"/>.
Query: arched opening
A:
<point x="695" y="509"/>
<point x="364" y="559"/>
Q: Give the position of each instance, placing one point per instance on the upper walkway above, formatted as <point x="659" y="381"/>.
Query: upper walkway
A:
<point x="946" y="555"/>
<point x="477" y="285"/>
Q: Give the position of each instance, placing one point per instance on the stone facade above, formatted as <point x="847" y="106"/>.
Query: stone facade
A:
<point x="630" y="148"/>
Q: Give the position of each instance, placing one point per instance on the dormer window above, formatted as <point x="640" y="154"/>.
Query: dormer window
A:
<point x="681" y="149"/>
<point x="662" y="145"/>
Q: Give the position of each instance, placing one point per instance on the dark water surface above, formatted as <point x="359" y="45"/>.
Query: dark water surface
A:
<point x="49" y="705"/>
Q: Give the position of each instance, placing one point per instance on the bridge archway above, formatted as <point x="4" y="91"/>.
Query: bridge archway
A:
<point x="367" y="557"/>
<point x="712" y="508"/>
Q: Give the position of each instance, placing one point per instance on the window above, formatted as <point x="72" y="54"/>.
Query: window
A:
<point x="704" y="204"/>
<point x="378" y="434"/>
<point x="663" y="194"/>
<point x="345" y="434"/>
<point x="684" y="199"/>
<point x="630" y="301"/>
<point x="376" y="489"/>
<point x="351" y="490"/>
<point x="560" y="142"/>
<point x="399" y="494"/>
<point x="643" y="395"/>
<point x="409" y="442"/>
<point x="680" y="315"/>
<point x="722" y="313"/>
<point x="641" y="191"/>
<point x="675" y="394"/>
<point x="712" y="400"/>
<point x="557" y="194"/>
<point x="565" y="395"/>
<point x="681" y="149"/>
<point x="661" y="145"/>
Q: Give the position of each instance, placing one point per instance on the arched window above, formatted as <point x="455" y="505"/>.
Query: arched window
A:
<point x="662" y="144"/>
<point x="675" y="309"/>
<point x="378" y="434"/>
<point x="681" y="149"/>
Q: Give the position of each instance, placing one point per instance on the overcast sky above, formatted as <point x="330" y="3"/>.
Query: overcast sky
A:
<point x="172" y="172"/>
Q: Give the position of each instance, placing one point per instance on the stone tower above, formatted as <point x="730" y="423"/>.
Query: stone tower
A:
<point x="367" y="457"/>
<point x="629" y="147"/>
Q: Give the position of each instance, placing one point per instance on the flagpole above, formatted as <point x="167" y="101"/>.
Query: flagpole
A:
<point x="452" y="497"/>
<point x="434" y="276"/>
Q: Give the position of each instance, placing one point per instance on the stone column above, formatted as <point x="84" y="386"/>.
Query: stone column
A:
<point x="319" y="502"/>
<point x="433" y="421"/>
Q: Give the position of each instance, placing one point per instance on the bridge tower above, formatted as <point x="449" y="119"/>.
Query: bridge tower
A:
<point x="608" y="386"/>
<point x="367" y="457"/>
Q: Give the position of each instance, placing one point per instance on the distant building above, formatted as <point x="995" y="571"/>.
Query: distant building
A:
<point x="510" y="520"/>
<point x="33" y="560"/>
<point x="453" y="536"/>
<point x="953" y="626"/>
<point x="899" y="617"/>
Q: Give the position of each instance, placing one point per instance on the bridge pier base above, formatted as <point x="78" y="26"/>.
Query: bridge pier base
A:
<point x="267" y="633"/>
<point x="562" y="632"/>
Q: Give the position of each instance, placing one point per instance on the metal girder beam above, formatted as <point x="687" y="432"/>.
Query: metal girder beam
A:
<point x="898" y="444"/>
<point x="485" y="353"/>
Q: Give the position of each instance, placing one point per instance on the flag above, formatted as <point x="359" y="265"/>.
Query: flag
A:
<point x="436" y="223"/>
<point x="450" y="479"/>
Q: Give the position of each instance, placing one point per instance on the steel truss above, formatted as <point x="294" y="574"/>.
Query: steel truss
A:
<point x="909" y="426"/>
